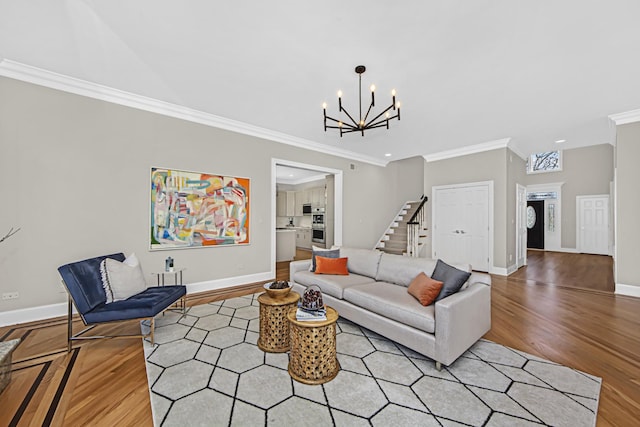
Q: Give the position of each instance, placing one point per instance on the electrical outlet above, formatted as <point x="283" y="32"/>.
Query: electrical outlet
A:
<point x="10" y="295"/>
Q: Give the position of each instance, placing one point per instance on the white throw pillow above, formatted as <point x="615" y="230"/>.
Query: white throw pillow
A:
<point x="122" y="280"/>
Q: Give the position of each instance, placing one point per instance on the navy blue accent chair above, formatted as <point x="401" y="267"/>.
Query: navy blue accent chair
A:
<point x="83" y="282"/>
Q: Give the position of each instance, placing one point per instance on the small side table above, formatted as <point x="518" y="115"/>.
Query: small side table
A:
<point x="274" y="326"/>
<point x="313" y="358"/>
<point x="177" y="280"/>
<point x="177" y="276"/>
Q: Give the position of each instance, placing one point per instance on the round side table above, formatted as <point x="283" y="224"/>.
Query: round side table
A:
<point x="274" y="326"/>
<point x="313" y="358"/>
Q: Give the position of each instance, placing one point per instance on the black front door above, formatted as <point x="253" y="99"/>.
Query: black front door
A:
<point x="535" y="224"/>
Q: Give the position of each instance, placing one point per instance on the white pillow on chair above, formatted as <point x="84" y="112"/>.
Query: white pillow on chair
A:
<point x="122" y="280"/>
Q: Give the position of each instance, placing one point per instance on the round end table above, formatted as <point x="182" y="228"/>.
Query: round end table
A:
<point x="313" y="358"/>
<point x="274" y="326"/>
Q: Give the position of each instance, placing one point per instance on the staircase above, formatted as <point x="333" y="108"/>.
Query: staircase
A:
<point x="407" y="232"/>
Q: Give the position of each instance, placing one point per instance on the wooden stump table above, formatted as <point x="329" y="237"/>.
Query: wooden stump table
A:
<point x="274" y="326"/>
<point x="313" y="358"/>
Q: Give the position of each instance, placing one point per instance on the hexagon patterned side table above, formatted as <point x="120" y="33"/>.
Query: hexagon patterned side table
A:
<point x="274" y="326"/>
<point x="313" y="358"/>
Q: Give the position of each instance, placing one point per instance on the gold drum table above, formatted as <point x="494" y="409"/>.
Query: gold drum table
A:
<point x="274" y="326"/>
<point x="313" y="358"/>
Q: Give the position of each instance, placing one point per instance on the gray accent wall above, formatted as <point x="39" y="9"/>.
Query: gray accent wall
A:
<point x="74" y="175"/>
<point x="627" y="205"/>
<point x="485" y="166"/>
<point x="585" y="171"/>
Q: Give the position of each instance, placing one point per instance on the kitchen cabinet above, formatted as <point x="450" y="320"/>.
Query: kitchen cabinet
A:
<point x="303" y="238"/>
<point x="285" y="203"/>
<point x="318" y="197"/>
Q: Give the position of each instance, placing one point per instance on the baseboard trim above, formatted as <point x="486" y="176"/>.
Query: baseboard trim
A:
<point x="33" y="314"/>
<point x="628" y="290"/>
<point x="499" y="271"/>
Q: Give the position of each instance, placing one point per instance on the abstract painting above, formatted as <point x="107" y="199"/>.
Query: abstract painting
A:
<point x="191" y="209"/>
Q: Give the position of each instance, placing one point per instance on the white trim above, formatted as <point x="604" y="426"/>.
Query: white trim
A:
<point x="338" y="183"/>
<point x="625" y="117"/>
<point x="33" y="314"/>
<point x="517" y="151"/>
<point x="567" y="250"/>
<point x="38" y="76"/>
<point x="628" y="290"/>
<point x="226" y="282"/>
<point x="489" y="185"/>
<point x="471" y="149"/>
<point x="501" y="271"/>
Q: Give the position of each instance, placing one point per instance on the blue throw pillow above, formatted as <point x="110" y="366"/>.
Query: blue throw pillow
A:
<point x="451" y="277"/>
<point x="333" y="253"/>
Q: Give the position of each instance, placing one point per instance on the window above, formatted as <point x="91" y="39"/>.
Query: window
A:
<point x="549" y="161"/>
<point x="542" y="195"/>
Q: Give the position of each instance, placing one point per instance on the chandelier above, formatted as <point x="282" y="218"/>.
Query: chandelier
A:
<point x="363" y="123"/>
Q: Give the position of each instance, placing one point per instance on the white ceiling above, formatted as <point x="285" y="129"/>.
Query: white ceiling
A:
<point x="467" y="72"/>
<point x="294" y="175"/>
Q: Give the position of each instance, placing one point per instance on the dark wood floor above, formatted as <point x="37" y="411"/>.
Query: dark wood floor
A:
<point x="562" y="316"/>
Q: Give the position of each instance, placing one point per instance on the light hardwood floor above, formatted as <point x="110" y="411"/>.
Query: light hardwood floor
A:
<point x="557" y="317"/>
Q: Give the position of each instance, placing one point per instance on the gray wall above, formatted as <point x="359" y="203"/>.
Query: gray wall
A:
<point x="74" y="174"/>
<point x="628" y="204"/>
<point x="485" y="166"/>
<point x="585" y="171"/>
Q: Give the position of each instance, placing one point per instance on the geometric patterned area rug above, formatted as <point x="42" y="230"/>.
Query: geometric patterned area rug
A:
<point x="207" y="370"/>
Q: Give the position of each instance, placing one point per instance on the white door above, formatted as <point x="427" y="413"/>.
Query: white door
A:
<point x="593" y="224"/>
<point x="461" y="225"/>
<point x="521" y="226"/>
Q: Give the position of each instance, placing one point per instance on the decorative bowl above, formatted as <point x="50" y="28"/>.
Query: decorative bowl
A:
<point x="276" y="293"/>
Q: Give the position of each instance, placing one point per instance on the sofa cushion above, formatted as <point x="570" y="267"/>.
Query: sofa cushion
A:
<point x="330" y="284"/>
<point x="394" y="302"/>
<point x="362" y="261"/>
<point x="452" y="278"/>
<point x="145" y="304"/>
<point x="327" y="253"/>
<point x="401" y="270"/>
<point x="331" y="266"/>
<point x="424" y="289"/>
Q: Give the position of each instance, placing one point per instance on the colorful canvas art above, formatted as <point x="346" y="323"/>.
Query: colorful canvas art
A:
<point x="190" y="209"/>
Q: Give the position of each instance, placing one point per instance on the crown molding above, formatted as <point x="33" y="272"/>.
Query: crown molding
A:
<point x="41" y="77"/>
<point x="471" y="149"/>
<point x="625" y="117"/>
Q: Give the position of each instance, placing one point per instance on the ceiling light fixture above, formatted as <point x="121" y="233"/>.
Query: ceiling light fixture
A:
<point x="363" y="123"/>
<point x="560" y="141"/>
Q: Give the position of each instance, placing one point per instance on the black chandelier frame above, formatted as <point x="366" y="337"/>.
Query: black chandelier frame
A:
<point x="364" y="123"/>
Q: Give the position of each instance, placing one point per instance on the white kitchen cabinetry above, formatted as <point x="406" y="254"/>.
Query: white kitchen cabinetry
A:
<point x="303" y="238"/>
<point x="285" y="203"/>
<point x="317" y="196"/>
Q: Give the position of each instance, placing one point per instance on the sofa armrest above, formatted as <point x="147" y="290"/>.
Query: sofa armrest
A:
<point x="461" y="320"/>
<point x="295" y="266"/>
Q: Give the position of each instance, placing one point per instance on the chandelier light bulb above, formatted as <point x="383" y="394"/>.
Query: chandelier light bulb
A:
<point x="393" y="92"/>
<point x="373" y="88"/>
<point x="387" y="114"/>
<point x="398" y="104"/>
<point x="339" y="94"/>
<point x="324" y="105"/>
<point x="340" y="124"/>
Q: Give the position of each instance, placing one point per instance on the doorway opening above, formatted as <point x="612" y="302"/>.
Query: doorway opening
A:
<point x="330" y="210"/>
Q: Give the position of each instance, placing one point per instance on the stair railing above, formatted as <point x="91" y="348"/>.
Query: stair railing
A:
<point x="415" y="226"/>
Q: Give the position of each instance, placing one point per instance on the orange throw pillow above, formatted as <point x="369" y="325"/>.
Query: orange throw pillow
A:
<point x="326" y="265"/>
<point x="424" y="289"/>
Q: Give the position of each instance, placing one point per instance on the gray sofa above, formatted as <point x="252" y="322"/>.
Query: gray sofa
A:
<point x="374" y="295"/>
